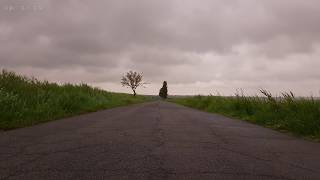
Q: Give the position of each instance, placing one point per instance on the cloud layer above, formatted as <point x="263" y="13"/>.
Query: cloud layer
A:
<point x="198" y="47"/>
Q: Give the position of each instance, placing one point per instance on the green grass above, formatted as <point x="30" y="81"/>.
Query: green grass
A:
<point x="300" y="116"/>
<point x="27" y="101"/>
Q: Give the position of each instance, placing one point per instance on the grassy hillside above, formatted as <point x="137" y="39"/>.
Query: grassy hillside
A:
<point x="297" y="115"/>
<point x="26" y="101"/>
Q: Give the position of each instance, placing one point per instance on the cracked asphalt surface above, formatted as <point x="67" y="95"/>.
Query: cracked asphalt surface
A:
<point x="155" y="140"/>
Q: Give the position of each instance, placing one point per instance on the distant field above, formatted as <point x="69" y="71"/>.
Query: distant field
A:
<point x="27" y="101"/>
<point x="301" y="116"/>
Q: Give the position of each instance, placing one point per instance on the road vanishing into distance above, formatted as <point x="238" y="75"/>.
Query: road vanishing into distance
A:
<point x="155" y="140"/>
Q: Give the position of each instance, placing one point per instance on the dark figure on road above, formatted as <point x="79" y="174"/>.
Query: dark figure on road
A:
<point x="164" y="91"/>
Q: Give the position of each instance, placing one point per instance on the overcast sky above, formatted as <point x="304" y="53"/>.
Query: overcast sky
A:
<point x="198" y="46"/>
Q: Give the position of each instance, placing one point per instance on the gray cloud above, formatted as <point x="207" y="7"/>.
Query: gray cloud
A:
<point x="196" y="46"/>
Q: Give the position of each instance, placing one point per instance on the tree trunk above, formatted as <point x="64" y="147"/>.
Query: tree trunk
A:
<point x="134" y="92"/>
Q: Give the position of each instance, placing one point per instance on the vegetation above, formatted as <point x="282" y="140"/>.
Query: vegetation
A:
<point x="26" y="101"/>
<point x="132" y="80"/>
<point x="300" y="116"/>
<point x="164" y="91"/>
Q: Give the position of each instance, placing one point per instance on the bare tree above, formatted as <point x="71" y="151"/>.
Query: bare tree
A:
<point x="133" y="80"/>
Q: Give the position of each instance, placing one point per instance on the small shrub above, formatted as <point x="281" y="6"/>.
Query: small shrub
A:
<point x="163" y="93"/>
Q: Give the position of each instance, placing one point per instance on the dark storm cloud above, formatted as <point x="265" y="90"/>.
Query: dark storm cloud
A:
<point x="222" y="43"/>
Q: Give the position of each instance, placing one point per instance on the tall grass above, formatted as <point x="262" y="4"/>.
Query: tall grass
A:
<point x="26" y="101"/>
<point x="300" y="116"/>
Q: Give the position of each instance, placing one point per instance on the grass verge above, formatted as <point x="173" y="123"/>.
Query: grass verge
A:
<point x="300" y="116"/>
<point x="27" y="101"/>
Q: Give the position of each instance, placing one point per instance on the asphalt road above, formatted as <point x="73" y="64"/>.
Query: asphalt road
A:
<point x="156" y="140"/>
